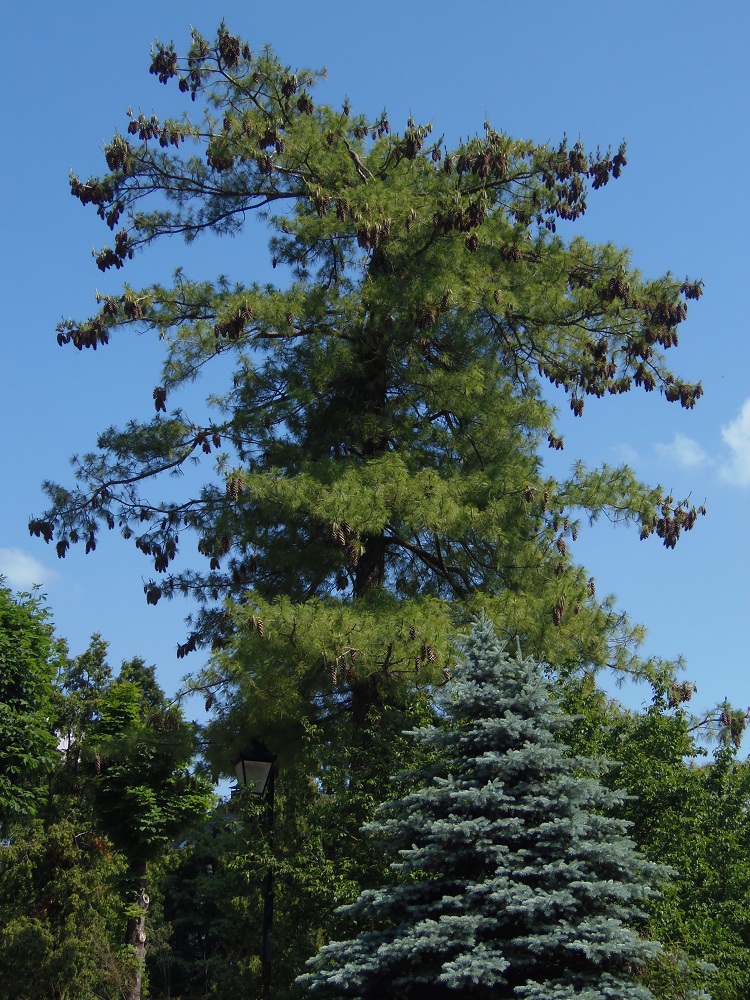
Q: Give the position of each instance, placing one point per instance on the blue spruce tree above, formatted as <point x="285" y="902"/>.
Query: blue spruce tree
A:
<point x="512" y="878"/>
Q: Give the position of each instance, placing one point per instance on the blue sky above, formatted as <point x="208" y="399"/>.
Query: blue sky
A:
<point x="670" y="78"/>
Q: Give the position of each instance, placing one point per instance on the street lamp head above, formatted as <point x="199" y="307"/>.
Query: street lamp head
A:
<point x="253" y="768"/>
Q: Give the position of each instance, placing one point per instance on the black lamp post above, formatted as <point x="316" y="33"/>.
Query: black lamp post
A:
<point x="255" y="771"/>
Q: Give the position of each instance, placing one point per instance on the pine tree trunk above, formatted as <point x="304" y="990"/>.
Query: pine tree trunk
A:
<point x="372" y="398"/>
<point x="370" y="565"/>
<point x="136" y="930"/>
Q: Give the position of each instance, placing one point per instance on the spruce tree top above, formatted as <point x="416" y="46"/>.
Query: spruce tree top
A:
<point x="511" y="877"/>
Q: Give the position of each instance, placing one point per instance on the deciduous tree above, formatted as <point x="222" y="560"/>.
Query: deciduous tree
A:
<point x="27" y="665"/>
<point x="144" y="793"/>
<point x="115" y="794"/>
<point x="61" y="915"/>
<point x="691" y="814"/>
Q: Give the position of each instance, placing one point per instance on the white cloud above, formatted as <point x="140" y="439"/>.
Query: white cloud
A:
<point x="684" y="451"/>
<point x="626" y="453"/>
<point x="737" y="436"/>
<point x="22" y="571"/>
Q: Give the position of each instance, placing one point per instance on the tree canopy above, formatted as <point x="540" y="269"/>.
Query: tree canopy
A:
<point x="65" y="884"/>
<point x="111" y="779"/>
<point x="375" y="473"/>
<point x="138" y="753"/>
<point x="371" y="458"/>
<point x="27" y="666"/>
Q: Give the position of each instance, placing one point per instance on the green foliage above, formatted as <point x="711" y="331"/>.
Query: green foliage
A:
<point x="27" y="664"/>
<point x="60" y="915"/>
<point x="372" y="446"/>
<point x="117" y="793"/>
<point x="320" y="857"/>
<point x="143" y="675"/>
<point x="144" y="793"/>
<point x="376" y="416"/>
<point x="689" y="813"/>
<point x="510" y="876"/>
<point x="78" y="689"/>
<point x="128" y="754"/>
<point x="695" y="819"/>
<point x="138" y="754"/>
<point x="206" y="944"/>
<point x="214" y="895"/>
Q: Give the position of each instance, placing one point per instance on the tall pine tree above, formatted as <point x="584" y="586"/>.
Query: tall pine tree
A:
<point x="378" y="414"/>
<point x="511" y="877"/>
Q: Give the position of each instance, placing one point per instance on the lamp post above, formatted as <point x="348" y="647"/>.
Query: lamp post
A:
<point x="255" y="771"/>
